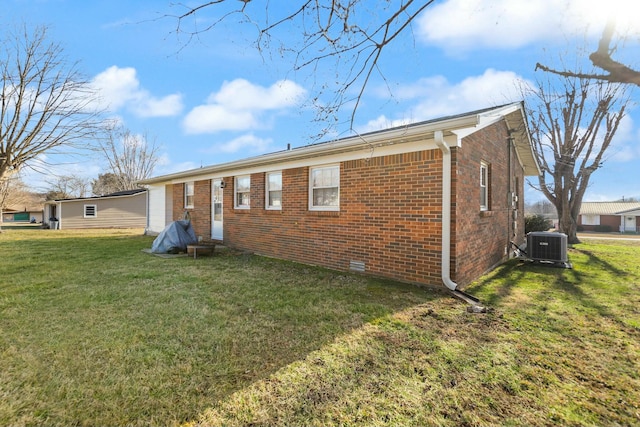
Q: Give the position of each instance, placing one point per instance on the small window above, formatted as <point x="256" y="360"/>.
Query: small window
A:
<point x="273" y="190"/>
<point x="188" y="194"/>
<point x="90" y="211"/>
<point x="243" y="192"/>
<point x="484" y="186"/>
<point x="324" y="188"/>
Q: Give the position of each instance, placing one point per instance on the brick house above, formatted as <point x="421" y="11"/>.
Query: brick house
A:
<point x="427" y="203"/>
<point x="623" y="217"/>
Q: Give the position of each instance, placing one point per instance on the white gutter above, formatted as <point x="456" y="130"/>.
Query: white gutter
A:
<point x="446" y="210"/>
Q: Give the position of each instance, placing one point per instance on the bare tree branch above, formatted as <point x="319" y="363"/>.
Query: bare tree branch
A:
<point x="317" y="31"/>
<point x="601" y="58"/>
<point x="45" y="104"/>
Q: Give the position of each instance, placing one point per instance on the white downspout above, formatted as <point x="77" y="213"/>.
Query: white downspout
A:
<point x="446" y="210"/>
<point x="474" y="302"/>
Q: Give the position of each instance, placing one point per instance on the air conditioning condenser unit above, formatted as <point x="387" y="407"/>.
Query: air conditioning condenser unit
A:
<point x="548" y="247"/>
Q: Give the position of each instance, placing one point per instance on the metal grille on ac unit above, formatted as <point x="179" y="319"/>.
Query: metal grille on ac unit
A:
<point x="546" y="246"/>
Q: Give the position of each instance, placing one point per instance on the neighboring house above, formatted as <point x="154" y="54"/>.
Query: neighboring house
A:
<point x="12" y="215"/>
<point x="431" y="202"/>
<point x="124" y="209"/>
<point x="621" y="217"/>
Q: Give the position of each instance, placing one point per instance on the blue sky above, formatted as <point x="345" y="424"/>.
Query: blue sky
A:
<point x="216" y="99"/>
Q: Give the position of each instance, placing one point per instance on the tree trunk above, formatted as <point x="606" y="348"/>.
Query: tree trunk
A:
<point x="567" y="223"/>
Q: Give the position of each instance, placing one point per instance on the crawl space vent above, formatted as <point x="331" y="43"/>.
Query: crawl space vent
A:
<point x="357" y="266"/>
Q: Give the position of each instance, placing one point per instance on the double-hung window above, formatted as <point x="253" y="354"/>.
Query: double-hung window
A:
<point x="188" y="194"/>
<point x="324" y="188"/>
<point x="484" y="186"/>
<point x="273" y="191"/>
<point x="242" y="192"/>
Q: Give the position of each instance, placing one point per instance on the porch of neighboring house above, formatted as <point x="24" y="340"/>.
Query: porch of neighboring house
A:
<point x="630" y="221"/>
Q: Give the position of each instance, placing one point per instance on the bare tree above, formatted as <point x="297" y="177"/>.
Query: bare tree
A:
<point x="616" y="72"/>
<point x="67" y="187"/>
<point x="131" y="157"/>
<point x="572" y="125"/>
<point x="348" y="35"/>
<point x="45" y="105"/>
<point x="13" y="192"/>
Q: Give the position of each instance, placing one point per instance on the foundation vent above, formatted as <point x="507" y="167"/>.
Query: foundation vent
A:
<point x="358" y="266"/>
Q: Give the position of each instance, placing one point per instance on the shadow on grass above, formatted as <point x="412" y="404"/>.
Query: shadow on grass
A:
<point x="500" y="283"/>
<point x="602" y="264"/>
<point x="584" y="287"/>
<point x="167" y="336"/>
<point x="581" y="280"/>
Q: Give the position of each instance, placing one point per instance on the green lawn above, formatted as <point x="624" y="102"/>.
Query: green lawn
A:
<point x="95" y="332"/>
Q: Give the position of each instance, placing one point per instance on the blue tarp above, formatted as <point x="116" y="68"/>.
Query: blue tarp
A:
<point x="174" y="238"/>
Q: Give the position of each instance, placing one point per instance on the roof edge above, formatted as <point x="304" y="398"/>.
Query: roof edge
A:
<point x="389" y="136"/>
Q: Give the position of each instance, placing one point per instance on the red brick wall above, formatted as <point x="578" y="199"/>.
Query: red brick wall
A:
<point x="200" y="214"/>
<point x="482" y="237"/>
<point x="389" y="218"/>
<point x="178" y="202"/>
<point x="612" y="221"/>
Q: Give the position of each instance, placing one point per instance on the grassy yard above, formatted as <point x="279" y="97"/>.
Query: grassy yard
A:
<point x="95" y="332"/>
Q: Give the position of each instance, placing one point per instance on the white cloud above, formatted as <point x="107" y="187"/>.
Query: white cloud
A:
<point x="241" y="105"/>
<point x="170" y="105"/>
<point x="46" y="169"/>
<point x="247" y="143"/>
<point x="166" y="167"/>
<point x="214" y="118"/>
<point x="382" y="122"/>
<point x="241" y="94"/>
<point x="120" y="88"/>
<point x="462" y="25"/>
<point x="624" y="146"/>
<point x="437" y="97"/>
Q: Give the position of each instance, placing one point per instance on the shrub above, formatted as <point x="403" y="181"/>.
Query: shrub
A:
<point x="536" y="222"/>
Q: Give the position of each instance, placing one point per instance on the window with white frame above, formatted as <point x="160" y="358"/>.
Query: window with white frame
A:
<point x="188" y="194"/>
<point x="273" y="190"/>
<point x="590" y="219"/>
<point x="484" y="186"/>
<point x="324" y="188"/>
<point x="242" y="192"/>
<point x="90" y="211"/>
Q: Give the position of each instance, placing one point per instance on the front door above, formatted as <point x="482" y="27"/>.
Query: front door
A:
<point x="216" y="209"/>
<point x="630" y="224"/>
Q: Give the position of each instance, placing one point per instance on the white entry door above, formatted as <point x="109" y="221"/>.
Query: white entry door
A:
<point x="216" y="209"/>
<point x="630" y="224"/>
